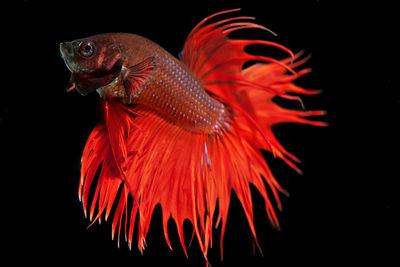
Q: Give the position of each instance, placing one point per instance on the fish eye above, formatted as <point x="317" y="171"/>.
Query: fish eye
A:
<point x="86" y="49"/>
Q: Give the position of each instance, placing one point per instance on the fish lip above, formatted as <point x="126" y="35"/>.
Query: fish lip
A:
<point x="62" y="48"/>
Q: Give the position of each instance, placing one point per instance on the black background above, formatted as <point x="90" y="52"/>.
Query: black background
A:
<point x="341" y="210"/>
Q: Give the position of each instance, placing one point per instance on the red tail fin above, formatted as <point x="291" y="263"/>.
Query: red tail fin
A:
<point x="159" y="162"/>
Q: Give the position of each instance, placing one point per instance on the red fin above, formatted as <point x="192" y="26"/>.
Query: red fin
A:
<point x="219" y="62"/>
<point x="134" y="76"/>
<point x="186" y="187"/>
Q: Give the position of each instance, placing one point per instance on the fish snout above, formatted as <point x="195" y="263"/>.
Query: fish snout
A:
<point x="67" y="54"/>
<point x="66" y="49"/>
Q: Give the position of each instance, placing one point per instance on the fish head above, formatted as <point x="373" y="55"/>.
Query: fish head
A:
<point x="94" y="62"/>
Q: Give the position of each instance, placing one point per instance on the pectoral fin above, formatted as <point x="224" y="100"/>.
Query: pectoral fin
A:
<point x="134" y="76"/>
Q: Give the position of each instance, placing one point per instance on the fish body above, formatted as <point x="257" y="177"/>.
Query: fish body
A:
<point x="140" y="72"/>
<point x="184" y="132"/>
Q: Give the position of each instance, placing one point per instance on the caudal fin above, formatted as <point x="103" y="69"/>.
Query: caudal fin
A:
<point x="219" y="62"/>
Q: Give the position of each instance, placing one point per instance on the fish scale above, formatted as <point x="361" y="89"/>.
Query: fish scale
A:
<point x="179" y="97"/>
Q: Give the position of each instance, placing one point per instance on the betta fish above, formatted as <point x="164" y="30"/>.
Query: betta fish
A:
<point x="183" y="132"/>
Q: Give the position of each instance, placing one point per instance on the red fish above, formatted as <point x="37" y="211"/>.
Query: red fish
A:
<point x="184" y="132"/>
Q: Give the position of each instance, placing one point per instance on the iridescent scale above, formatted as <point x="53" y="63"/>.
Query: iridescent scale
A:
<point x="179" y="97"/>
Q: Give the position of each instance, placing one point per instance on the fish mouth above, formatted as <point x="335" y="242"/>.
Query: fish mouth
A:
<point x="88" y="83"/>
<point x="77" y="81"/>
